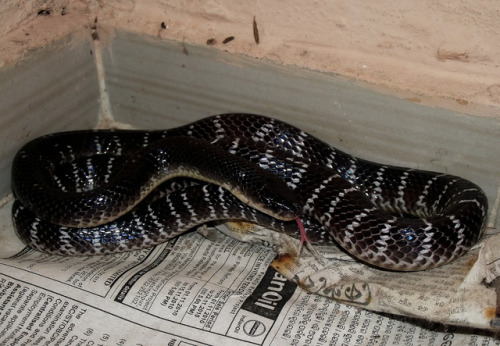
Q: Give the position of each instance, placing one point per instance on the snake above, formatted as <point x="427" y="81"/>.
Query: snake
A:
<point x="90" y="192"/>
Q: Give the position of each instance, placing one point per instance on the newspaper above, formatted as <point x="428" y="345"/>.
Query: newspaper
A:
<point x="208" y="288"/>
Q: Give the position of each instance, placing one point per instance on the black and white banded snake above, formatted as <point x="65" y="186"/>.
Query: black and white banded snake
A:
<point x="71" y="186"/>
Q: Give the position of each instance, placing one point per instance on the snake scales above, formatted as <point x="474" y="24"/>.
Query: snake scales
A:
<point x="78" y="192"/>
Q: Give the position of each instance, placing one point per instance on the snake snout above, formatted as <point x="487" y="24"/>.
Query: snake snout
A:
<point x="279" y="201"/>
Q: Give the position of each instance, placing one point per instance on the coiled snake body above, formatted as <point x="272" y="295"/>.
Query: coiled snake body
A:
<point x="78" y="192"/>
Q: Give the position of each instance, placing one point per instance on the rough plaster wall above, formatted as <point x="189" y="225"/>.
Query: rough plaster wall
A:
<point x="444" y="53"/>
<point x="26" y="25"/>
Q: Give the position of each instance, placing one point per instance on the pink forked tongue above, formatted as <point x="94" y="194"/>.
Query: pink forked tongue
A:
<point x="303" y="235"/>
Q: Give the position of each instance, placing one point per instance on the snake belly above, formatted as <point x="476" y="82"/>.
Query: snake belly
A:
<point x="388" y="217"/>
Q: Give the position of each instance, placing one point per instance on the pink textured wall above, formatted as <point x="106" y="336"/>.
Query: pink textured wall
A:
<point x="436" y="50"/>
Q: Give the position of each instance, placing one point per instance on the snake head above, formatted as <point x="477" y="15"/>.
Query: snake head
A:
<point x="277" y="200"/>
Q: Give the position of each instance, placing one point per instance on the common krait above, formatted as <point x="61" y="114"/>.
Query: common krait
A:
<point x="389" y="217"/>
